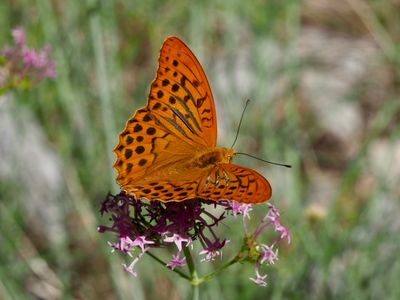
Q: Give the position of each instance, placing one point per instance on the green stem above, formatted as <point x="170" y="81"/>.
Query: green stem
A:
<point x="163" y="263"/>
<point x="195" y="281"/>
<point x="195" y="289"/>
<point x="103" y="85"/>
<point x="219" y="270"/>
<point x="190" y="262"/>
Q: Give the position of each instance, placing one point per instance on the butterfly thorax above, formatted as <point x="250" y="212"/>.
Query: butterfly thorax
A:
<point x="212" y="157"/>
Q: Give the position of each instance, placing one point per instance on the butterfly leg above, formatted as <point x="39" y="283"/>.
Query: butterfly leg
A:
<point x="218" y="179"/>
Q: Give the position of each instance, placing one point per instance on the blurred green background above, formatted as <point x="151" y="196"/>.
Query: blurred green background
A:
<point x="323" y="77"/>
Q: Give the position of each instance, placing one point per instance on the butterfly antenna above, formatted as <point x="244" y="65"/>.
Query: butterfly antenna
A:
<point x="267" y="161"/>
<point x="240" y="122"/>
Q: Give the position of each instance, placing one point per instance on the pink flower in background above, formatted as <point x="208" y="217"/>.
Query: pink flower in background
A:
<point x="19" y="36"/>
<point x="23" y="67"/>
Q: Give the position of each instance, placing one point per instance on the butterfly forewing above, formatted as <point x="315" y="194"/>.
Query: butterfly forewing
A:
<point x="180" y="97"/>
<point x="178" y="119"/>
<point x="144" y="147"/>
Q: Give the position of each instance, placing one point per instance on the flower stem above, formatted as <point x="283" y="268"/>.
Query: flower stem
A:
<point x="227" y="265"/>
<point x="195" y="289"/>
<point x="190" y="263"/>
<point x="193" y="274"/>
<point x="183" y="275"/>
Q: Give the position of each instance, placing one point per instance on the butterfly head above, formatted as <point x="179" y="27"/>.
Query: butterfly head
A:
<point x="227" y="155"/>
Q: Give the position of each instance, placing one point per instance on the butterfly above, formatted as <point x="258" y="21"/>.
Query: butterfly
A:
<point x="168" y="152"/>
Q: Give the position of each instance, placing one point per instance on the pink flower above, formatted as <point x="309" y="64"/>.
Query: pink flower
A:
<point x="259" y="280"/>
<point x="268" y="255"/>
<point x="239" y="208"/>
<point x="19" y="36"/>
<point x="284" y="232"/>
<point x="213" y="250"/>
<point x="176" y="261"/>
<point x="31" y="58"/>
<point x="177" y="239"/>
<point x="125" y="244"/>
<point x="6" y="51"/>
<point x="25" y="66"/>
<point x="273" y="218"/>
<point x="141" y="242"/>
<point x="129" y="268"/>
<point x="50" y="71"/>
<point x="272" y="215"/>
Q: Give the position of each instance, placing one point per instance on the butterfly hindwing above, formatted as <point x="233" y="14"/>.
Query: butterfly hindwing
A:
<point x="166" y="190"/>
<point x="233" y="182"/>
<point x="224" y="182"/>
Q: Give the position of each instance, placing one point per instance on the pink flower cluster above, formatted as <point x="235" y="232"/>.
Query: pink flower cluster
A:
<point x="141" y="225"/>
<point x="266" y="254"/>
<point x="25" y="64"/>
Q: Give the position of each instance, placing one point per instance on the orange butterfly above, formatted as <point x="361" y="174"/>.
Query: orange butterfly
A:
<point x="168" y="151"/>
